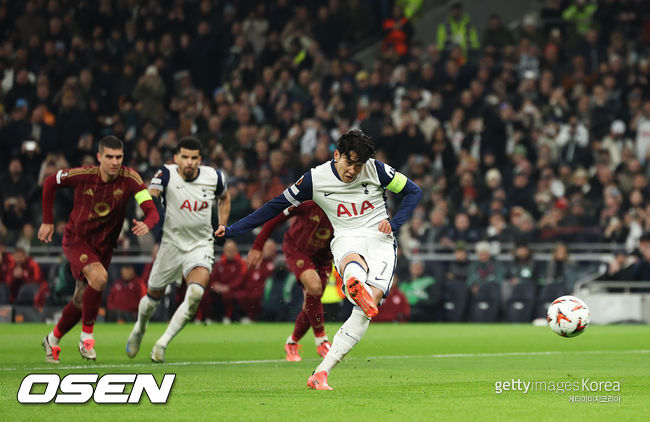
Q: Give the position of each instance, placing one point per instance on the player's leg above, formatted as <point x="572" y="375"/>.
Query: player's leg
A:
<point x="355" y="275"/>
<point x="313" y="284"/>
<point x="197" y="281"/>
<point x="165" y="271"/>
<point x="146" y="308"/>
<point x="69" y="318"/>
<point x="356" y="325"/>
<point x="97" y="277"/>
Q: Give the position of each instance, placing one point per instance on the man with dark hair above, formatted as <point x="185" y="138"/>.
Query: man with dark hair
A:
<point x="351" y="191"/>
<point x="190" y="191"/>
<point x="101" y="195"/>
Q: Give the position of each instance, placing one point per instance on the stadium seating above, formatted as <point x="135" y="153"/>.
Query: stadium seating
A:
<point x="26" y="294"/>
<point x="549" y="293"/>
<point x="4" y="294"/>
<point x="521" y="304"/>
<point x="486" y="303"/>
<point x="454" y="301"/>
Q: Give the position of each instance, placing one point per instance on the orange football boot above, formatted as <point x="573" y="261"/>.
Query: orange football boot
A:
<point x="361" y="297"/>
<point x="292" y="352"/>
<point x="318" y="381"/>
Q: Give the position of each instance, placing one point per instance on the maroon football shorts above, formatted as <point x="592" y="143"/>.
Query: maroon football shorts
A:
<point x="298" y="263"/>
<point x="80" y="254"/>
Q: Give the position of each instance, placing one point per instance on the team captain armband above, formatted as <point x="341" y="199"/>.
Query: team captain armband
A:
<point x="397" y="184"/>
<point x="142" y="196"/>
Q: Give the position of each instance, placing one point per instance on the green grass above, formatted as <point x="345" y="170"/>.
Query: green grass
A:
<point x="397" y="372"/>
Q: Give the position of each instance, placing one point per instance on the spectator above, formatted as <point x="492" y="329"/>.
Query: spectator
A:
<point x="249" y="297"/>
<point x="560" y="268"/>
<point x="459" y="268"/>
<point x="395" y="307"/>
<point x="458" y="30"/>
<point x="496" y="35"/>
<point x="125" y="295"/>
<point x="25" y="271"/>
<point x="398" y="32"/>
<point x="228" y="277"/>
<point x="486" y="269"/>
<point x="14" y="189"/>
<point x="7" y="265"/>
<point x="423" y="293"/>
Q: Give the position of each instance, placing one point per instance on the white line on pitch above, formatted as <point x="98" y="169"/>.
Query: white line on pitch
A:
<point x="245" y="362"/>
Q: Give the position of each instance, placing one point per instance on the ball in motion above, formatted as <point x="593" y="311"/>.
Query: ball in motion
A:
<point x="568" y="316"/>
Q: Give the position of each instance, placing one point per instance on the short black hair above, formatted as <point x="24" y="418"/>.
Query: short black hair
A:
<point x="112" y="142"/>
<point x="357" y="141"/>
<point x="189" y="142"/>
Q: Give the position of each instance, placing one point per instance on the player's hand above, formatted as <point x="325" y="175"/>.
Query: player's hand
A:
<point x="221" y="231"/>
<point x="45" y="233"/>
<point x="254" y="258"/>
<point x="139" y="228"/>
<point x="384" y="227"/>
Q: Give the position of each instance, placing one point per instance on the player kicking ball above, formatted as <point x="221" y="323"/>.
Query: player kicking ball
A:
<point x="101" y="194"/>
<point x="307" y="253"/>
<point x="351" y="191"/>
<point x="187" y="249"/>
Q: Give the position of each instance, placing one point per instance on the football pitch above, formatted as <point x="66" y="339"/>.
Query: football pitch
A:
<point x="405" y="372"/>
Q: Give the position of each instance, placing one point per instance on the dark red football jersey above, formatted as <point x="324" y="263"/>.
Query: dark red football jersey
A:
<point x="310" y="232"/>
<point x="99" y="207"/>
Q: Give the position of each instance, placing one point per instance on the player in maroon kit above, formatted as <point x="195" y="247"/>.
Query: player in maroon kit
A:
<point x="306" y="248"/>
<point x="101" y="194"/>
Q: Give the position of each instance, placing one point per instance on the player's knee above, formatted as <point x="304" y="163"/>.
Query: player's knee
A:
<point x="193" y="296"/>
<point x="97" y="277"/>
<point x="314" y="289"/>
<point x="156" y="294"/>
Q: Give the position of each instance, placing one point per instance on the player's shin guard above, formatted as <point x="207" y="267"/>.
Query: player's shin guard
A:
<point x="183" y="314"/>
<point x="146" y="308"/>
<point x="345" y="339"/>
<point x="91" y="301"/>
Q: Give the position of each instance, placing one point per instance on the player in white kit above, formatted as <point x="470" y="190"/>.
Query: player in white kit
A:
<point x="189" y="191"/>
<point x="351" y="191"/>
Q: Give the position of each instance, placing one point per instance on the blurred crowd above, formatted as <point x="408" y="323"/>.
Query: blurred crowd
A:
<point x="535" y="134"/>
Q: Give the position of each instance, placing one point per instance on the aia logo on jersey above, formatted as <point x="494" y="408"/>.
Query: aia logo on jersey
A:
<point x="187" y="205"/>
<point x="354" y="210"/>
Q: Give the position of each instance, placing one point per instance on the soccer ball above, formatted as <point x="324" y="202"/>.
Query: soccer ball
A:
<point x="568" y="316"/>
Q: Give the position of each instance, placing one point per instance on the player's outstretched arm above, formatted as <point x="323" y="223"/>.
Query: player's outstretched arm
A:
<point x="257" y="218"/>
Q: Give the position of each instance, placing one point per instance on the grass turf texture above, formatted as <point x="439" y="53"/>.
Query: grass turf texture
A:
<point x="397" y="372"/>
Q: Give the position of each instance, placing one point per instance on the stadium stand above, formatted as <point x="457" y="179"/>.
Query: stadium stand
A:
<point x="538" y="131"/>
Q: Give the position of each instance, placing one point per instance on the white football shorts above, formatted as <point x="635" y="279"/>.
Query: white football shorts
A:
<point x="172" y="264"/>
<point x="379" y="251"/>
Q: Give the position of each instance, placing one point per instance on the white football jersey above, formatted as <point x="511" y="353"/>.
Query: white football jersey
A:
<point x="353" y="208"/>
<point x="188" y="204"/>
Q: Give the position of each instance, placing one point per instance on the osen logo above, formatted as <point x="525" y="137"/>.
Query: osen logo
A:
<point x="79" y="388"/>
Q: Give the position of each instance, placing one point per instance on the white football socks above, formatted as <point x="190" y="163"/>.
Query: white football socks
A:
<point x="146" y="308"/>
<point x="321" y="339"/>
<point x="52" y="339"/>
<point x="183" y="314"/>
<point x="354" y="269"/>
<point x="345" y="339"/>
